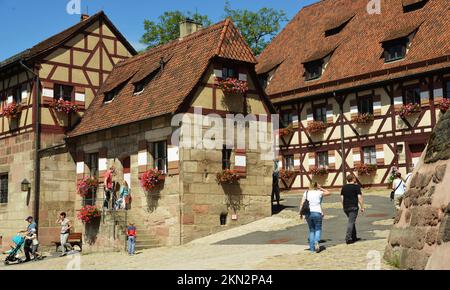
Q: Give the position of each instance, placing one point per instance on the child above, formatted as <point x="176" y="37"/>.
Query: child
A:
<point x="131" y="234"/>
<point x="34" y="244"/>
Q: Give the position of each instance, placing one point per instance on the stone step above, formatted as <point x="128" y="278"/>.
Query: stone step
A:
<point x="146" y="247"/>
<point x="146" y="242"/>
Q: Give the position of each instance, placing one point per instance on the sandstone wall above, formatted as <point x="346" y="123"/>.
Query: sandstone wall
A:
<point x="420" y="238"/>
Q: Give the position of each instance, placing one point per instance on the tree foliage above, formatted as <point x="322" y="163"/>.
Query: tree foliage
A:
<point x="167" y="28"/>
<point x="258" y="28"/>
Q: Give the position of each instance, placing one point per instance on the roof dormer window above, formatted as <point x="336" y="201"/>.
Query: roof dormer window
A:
<point x="395" y="49"/>
<point x="336" y="26"/>
<point x="313" y="70"/>
<point x="413" y="5"/>
<point x="111" y="95"/>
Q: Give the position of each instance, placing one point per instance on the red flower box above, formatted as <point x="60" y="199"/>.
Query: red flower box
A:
<point x="232" y="85"/>
<point x="227" y="176"/>
<point x="87" y="186"/>
<point x="64" y="106"/>
<point x="88" y="214"/>
<point x="366" y="169"/>
<point x="288" y="131"/>
<point x="12" y="110"/>
<point x="316" y="127"/>
<point x="286" y="174"/>
<point x="151" y="179"/>
<point x="318" y="171"/>
<point x="408" y="110"/>
<point x="444" y="105"/>
<point x="363" y="118"/>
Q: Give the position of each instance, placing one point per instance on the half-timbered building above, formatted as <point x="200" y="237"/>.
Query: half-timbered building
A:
<point x="359" y="89"/>
<point x="44" y="91"/>
<point x="132" y="125"/>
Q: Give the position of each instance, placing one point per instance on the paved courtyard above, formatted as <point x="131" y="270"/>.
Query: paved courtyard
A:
<point x="277" y="242"/>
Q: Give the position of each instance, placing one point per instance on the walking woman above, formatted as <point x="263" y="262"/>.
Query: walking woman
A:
<point x="314" y="218"/>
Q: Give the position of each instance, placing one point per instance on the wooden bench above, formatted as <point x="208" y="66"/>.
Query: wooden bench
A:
<point x="75" y="239"/>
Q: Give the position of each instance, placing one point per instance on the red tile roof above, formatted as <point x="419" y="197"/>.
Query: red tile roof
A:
<point x="185" y="62"/>
<point x="59" y="39"/>
<point x="357" y="59"/>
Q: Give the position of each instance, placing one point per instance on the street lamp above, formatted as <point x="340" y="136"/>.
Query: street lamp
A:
<point x="25" y="185"/>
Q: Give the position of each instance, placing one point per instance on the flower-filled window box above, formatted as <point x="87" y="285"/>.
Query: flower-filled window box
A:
<point x="63" y="106"/>
<point x="444" y="105"/>
<point x="366" y="169"/>
<point x="316" y="127"/>
<point x="288" y="131"/>
<point x="12" y="111"/>
<point x="228" y="176"/>
<point x="87" y="187"/>
<point x="318" y="171"/>
<point x="286" y="174"/>
<point x="365" y="118"/>
<point x="232" y="85"/>
<point x="151" y="179"/>
<point x="88" y="214"/>
<point x="408" y="110"/>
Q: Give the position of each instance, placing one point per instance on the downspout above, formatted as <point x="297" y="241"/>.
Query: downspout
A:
<point x="343" y="161"/>
<point x="37" y="145"/>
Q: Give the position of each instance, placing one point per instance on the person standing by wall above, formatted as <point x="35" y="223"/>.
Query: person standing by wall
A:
<point x="315" y="216"/>
<point x="108" y="185"/>
<point x="399" y="188"/>
<point x="66" y="226"/>
<point x="275" y="184"/>
<point x="131" y="234"/>
<point x="353" y="202"/>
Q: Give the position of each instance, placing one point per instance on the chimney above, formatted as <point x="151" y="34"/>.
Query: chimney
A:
<point x="84" y="17"/>
<point x="188" y="26"/>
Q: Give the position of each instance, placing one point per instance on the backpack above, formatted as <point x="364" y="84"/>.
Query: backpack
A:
<point x="305" y="210"/>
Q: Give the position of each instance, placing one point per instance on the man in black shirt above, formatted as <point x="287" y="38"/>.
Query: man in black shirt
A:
<point x="352" y="201"/>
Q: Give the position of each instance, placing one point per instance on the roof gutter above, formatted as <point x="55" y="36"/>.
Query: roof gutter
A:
<point x="37" y="144"/>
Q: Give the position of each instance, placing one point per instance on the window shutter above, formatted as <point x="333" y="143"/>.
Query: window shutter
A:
<point x="142" y="156"/>
<point x="80" y="165"/>
<point x="312" y="160"/>
<point x="438" y="92"/>
<point x="80" y="96"/>
<point x="173" y="158"/>
<point x="310" y="115"/>
<point x="332" y="159"/>
<point x="47" y="92"/>
<point x="380" y="154"/>
<point x="377" y="105"/>
<point x="354" y="108"/>
<point x="356" y="156"/>
<point x="102" y="163"/>
<point x="398" y="98"/>
<point x="297" y="162"/>
<point x="424" y="95"/>
<point x="330" y="115"/>
<point x="240" y="162"/>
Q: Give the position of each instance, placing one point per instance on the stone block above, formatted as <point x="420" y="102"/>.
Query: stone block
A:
<point x="432" y="235"/>
<point x="200" y="208"/>
<point x="412" y="259"/>
<point x="439" y="173"/>
<point x="444" y="231"/>
<point x="424" y="216"/>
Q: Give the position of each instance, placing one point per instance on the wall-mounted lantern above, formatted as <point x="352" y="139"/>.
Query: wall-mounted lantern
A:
<point x="25" y="185"/>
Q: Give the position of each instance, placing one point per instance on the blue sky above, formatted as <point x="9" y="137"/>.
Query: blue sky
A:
<point x="24" y="23"/>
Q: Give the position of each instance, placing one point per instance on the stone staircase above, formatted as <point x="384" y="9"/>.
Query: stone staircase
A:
<point x="145" y="239"/>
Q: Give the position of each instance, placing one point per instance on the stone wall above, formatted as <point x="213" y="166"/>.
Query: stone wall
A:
<point x="420" y="238"/>
<point x="16" y="160"/>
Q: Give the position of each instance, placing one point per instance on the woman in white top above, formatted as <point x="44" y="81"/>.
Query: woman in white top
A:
<point x="399" y="187"/>
<point x="314" y="219"/>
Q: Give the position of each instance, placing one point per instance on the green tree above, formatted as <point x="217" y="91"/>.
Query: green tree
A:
<point x="258" y="28"/>
<point x="167" y="28"/>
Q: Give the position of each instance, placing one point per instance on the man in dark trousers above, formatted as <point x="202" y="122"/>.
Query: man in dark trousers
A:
<point x="353" y="202"/>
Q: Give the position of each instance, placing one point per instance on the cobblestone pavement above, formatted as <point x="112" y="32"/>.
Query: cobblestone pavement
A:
<point x="277" y="242"/>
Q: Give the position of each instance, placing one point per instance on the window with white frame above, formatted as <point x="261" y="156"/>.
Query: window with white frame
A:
<point x="370" y="155"/>
<point x="322" y="159"/>
<point x="160" y="156"/>
<point x="288" y="163"/>
<point x="63" y="92"/>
